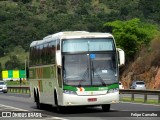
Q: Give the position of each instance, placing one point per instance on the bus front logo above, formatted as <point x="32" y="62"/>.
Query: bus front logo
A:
<point x="81" y="89"/>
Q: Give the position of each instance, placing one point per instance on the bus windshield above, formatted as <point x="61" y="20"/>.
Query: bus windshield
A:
<point x="88" y="44"/>
<point x="92" y="68"/>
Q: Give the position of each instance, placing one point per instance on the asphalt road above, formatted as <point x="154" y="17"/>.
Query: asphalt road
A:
<point x="17" y="102"/>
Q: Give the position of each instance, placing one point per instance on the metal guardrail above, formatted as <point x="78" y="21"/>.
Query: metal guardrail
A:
<point x="26" y="90"/>
<point x="19" y="89"/>
<point x="141" y="92"/>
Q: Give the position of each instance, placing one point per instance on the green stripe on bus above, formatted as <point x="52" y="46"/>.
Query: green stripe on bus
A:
<point x="73" y="88"/>
<point x="67" y="87"/>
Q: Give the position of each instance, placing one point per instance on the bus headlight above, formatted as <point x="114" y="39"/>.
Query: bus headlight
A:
<point x="69" y="92"/>
<point x="113" y="90"/>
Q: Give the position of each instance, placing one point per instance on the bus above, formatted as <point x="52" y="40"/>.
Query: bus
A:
<point x="75" y="68"/>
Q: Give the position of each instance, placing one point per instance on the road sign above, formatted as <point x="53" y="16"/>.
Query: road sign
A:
<point x="13" y="74"/>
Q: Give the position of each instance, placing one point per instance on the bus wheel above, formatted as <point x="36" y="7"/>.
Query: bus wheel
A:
<point x="38" y="104"/>
<point x="106" y="108"/>
<point x="35" y="96"/>
<point x="59" y="109"/>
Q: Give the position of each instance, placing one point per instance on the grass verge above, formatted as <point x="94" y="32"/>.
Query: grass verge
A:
<point x="139" y="100"/>
<point x="17" y="83"/>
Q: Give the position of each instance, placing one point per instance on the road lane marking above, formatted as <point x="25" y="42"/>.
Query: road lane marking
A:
<point x="14" y="108"/>
<point x="10" y="108"/>
<point x="55" y="118"/>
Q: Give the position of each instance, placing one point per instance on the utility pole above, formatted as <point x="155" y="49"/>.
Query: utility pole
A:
<point x="25" y="68"/>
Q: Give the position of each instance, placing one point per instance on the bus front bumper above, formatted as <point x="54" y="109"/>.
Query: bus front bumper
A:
<point x="76" y="100"/>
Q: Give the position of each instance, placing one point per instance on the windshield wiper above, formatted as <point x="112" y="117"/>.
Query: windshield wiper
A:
<point x="83" y="78"/>
<point x="100" y="78"/>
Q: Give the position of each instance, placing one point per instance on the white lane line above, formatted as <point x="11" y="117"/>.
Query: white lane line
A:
<point x="142" y="104"/>
<point x="55" y="118"/>
<point x="13" y="107"/>
<point x="119" y="110"/>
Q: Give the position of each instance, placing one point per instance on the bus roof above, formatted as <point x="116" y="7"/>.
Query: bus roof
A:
<point x="34" y="43"/>
<point x="70" y="34"/>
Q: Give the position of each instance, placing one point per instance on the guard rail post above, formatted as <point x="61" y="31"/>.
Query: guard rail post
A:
<point x="18" y="89"/>
<point x="145" y="98"/>
<point x="159" y="98"/>
<point x="132" y="99"/>
<point x="26" y="90"/>
<point x="141" y="92"/>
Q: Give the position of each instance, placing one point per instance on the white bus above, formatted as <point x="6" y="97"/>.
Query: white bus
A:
<point x="75" y="68"/>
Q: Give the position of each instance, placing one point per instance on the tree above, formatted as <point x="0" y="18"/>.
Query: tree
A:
<point x="14" y="63"/>
<point x="150" y="10"/>
<point x="23" y="1"/>
<point x="1" y="51"/>
<point x="131" y="35"/>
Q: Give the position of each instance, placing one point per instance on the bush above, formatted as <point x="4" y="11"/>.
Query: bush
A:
<point x="131" y="35"/>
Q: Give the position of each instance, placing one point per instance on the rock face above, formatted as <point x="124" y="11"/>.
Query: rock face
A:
<point x="151" y="78"/>
<point x="157" y="80"/>
<point x="145" y="67"/>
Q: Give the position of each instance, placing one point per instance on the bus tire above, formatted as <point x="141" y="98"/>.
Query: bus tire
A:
<point x="59" y="109"/>
<point x="106" y="108"/>
<point x="35" y="96"/>
<point x="38" y="104"/>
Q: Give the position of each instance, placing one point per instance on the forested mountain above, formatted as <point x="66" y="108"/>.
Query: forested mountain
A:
<point x="23" y="21"/>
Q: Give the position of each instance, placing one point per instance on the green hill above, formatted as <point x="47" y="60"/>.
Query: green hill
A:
<point x="23" y="21"/>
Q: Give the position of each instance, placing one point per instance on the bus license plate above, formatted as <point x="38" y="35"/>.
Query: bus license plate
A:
<point x="92" y="99"/>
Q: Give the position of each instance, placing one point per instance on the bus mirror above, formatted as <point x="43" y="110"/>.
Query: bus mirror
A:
<point x="58" y="58"/>
<point x="121" y="56"/>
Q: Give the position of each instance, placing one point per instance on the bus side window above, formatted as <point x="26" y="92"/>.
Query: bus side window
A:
<point x="58" y="44"/>
<point x="52" y="51"/>
<point x="44" y="53"/>
<point x="47" y="54"/>
<point x="50" y="54"/>
<point x="41" y="54"/>
<point x="34" y="55"/>
<point x="38" y="54"/>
